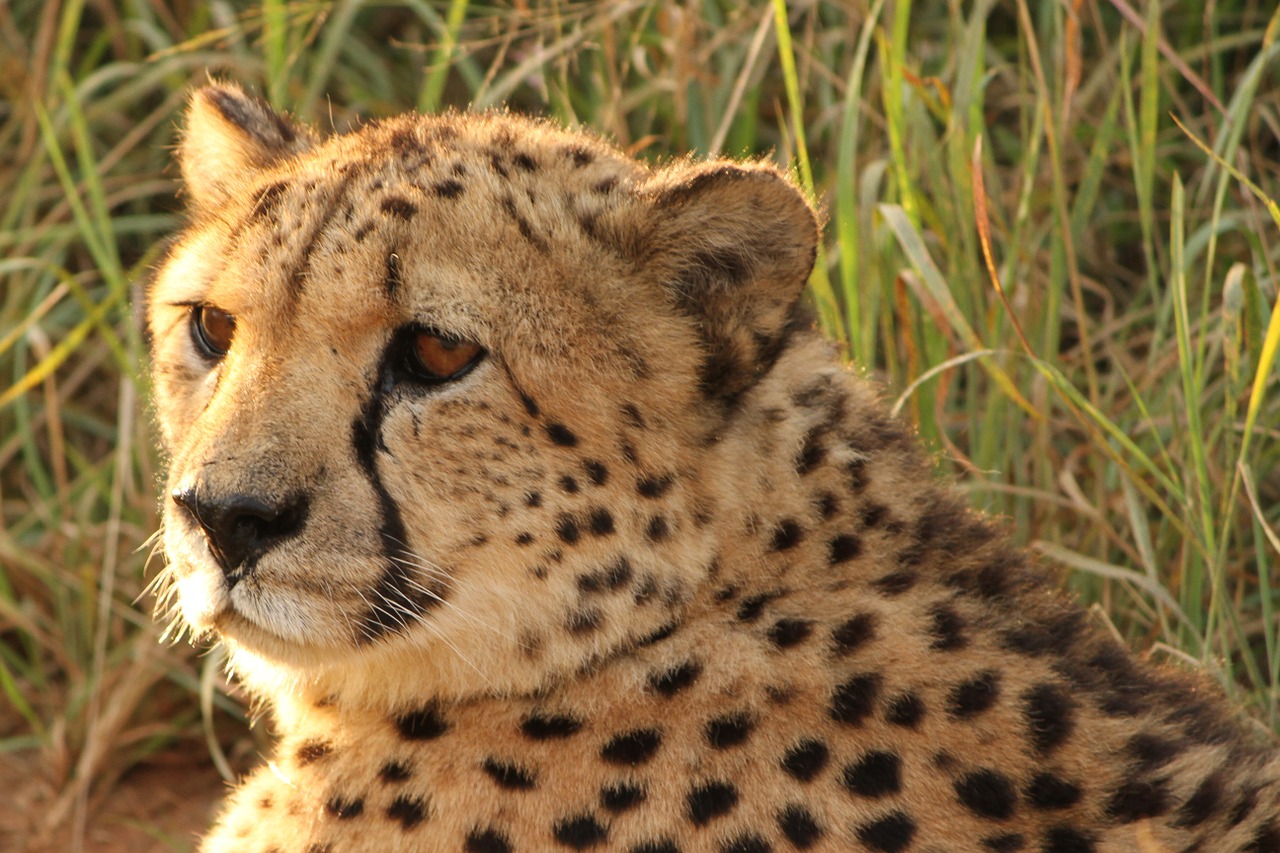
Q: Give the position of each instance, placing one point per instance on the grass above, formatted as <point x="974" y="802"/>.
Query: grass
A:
<point x="1051" y="232"/>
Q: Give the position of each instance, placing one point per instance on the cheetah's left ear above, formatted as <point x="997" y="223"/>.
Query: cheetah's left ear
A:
<point x="734" y="243"/>
<point x="229" y="137"/>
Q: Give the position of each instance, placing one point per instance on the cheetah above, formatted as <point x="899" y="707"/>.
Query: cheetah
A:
<point x="523" y="495"/>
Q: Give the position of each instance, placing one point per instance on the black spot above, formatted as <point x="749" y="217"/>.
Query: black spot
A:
<point x="799" y="826"/>
<point x="647" y="589"/>
<point x="853" y="700"/>
<point x="530" y="405"/>
<point x="495" y="160"/>
<point x="811" y="453"/>
<point x="509" y="776"/>
<point x="711" y="800"/>
<point x="786" y="535"/>
<point x="995" y="580"/>
<point x="843" y="547"/>
<point x="487" y="841"/>
<point x="632" y="748"/>
<point x="394" y="771"/>
<point x="946" y="629"/>
<point x="659" y="635"/>
<point x="1137" y="799"/>
<point x="654" y="486"/>
<point x="677" y="678"/>
<point x="1151" y="751"/>
<point x="621" y="796"/>
<point x="581" y="832"/>
<point x="425" y="724"/>
<point x="1202" y="804"/>
<point x="890" y="834"/>
<point x="583" y="621"/>
<point x="1009" y="843"/>
<point x="1050" y="714"/>
<point x="1266" y="839"/>
<point x="1064" y="839"/>
<point x="561" y="435"/>
<point x="805" y="760"/>
<point x="312" y="751"/>
<point x="858" y="479"/>
<point x="611" y="577"/>
<point x="895" y="583"/>
<point x="524" y="162"/>
<point x="788" y="632"/>
<point x="567" y="528"/>
<point x="746" y="843"/>
<point x="601" y="521"/>
<point x="657" y="530"/>
<point x="398" y="206"/>
<point x="525" y="538"/>
<point x="344" y="809"/>
<point x="972" y="697"/>
<point x="1248" y="802"/>
<point x="409" y="811"/>
<point x="987" y="794"/>
<point x="1050" y="792"/>
<point x="1055" y="635"/>
<point x="905" y="710"/>
<point x="873" y="514"/>
<point x="730" y="730"/>
<point x="569" y="484"/>
<point x="853" y="633"/>
<point x="749" y="610"/>
<point x="876" y="774"/>
<point x="447" y="188"/>
<point x="597" y="473"/>
<point x="533" y="499"/>
<point x="554" y="727"/>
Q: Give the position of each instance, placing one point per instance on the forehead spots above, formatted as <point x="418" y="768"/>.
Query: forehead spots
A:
<point x="399" y="207"/>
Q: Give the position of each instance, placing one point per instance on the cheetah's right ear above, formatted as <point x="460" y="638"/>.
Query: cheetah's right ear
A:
<point x="229" y="136"/>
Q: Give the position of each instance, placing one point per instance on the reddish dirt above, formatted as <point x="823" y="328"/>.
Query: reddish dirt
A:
<point x="158" y="807"/>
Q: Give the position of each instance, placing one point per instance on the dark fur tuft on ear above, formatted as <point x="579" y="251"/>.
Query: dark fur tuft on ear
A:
<point x="229" y="137"/>
<point x="734" y="244"/>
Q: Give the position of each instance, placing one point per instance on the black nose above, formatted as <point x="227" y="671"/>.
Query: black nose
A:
<point x="241" y="528"/>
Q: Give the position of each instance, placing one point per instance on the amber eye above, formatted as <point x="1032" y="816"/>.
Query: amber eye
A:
<point x="435" y="357"/>
<point x="212" y="330"/>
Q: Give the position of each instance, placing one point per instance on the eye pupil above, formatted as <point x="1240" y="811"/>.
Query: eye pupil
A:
<point x="212" y="329"/>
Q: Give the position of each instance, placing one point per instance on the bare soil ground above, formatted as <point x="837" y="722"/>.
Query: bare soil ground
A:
<point x="158" y="807"/>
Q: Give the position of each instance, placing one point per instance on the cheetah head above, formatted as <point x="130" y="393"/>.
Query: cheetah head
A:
<point x="441" y="397"/>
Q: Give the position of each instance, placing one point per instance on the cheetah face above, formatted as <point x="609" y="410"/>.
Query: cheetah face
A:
<point x="448" y="385"/>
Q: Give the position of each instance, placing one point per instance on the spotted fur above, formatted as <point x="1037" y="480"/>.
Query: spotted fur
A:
<point x="655" y="575"/>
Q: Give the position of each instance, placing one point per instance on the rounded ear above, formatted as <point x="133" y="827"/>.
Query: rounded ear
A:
<point x="734" y="244"/>
<point x="229" y="136"/>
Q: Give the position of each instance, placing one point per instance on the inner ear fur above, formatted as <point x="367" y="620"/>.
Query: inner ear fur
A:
<point x="229" y="137"/>
<point x="734" y="244"/>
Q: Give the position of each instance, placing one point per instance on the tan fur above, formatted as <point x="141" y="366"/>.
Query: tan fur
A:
<point x="671" y="578"/>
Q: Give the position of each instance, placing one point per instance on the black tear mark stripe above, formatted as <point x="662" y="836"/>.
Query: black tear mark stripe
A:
<point x="401" y="594"/>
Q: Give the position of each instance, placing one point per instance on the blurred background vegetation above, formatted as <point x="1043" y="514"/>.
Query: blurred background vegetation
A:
<point x="1051" y="232"/>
